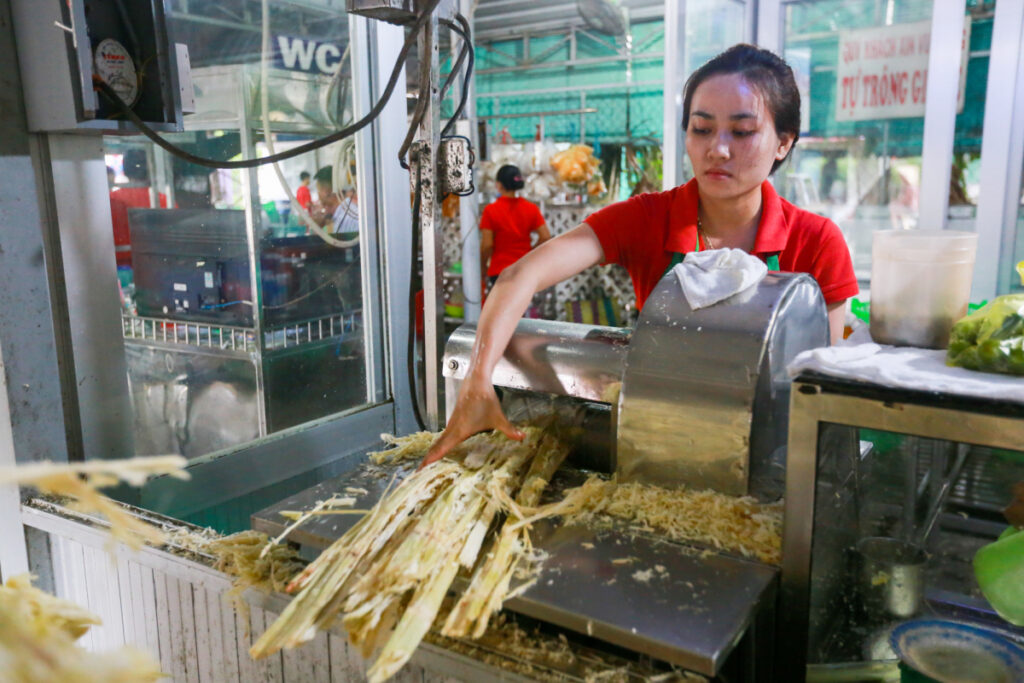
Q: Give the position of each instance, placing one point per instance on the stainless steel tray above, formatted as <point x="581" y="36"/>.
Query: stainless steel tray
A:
<point x="692" y="614"/>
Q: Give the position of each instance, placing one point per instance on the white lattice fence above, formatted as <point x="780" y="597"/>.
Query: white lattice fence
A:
<point x="612" y="280"/>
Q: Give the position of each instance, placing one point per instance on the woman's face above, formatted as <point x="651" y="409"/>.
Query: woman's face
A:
<point x="731" y="138"/>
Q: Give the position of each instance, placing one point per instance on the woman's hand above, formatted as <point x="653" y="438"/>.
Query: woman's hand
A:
<point x="477" y="410"/>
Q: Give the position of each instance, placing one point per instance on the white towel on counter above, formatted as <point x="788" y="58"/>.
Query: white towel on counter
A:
<point x="708" y="277"/>
<point x="907" y="368"/>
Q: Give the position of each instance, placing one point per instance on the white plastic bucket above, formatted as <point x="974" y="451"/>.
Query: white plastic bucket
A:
<point x="920" y="285"/>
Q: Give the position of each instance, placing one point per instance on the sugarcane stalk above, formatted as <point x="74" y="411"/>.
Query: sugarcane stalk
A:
<point x="490" y="581"/>
<point x="387" y="577"/>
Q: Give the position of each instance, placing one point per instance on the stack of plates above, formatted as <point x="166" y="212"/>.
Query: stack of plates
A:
<point x="953" y="652"/>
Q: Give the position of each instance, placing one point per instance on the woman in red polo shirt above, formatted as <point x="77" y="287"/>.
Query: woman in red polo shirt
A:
<point x="507" y="225"/>
<point x="741" y="113"/>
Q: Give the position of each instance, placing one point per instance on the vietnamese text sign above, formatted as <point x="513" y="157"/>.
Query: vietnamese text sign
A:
<point x="883" y="71"/>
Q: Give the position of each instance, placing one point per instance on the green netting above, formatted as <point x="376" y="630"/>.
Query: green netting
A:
<point x="813" y="25"/>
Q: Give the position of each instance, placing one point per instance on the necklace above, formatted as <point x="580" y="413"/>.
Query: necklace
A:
<point x="703" y="235"/>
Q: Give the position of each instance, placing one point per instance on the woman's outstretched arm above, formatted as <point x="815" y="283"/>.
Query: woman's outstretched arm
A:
<point x="477" y="408"/>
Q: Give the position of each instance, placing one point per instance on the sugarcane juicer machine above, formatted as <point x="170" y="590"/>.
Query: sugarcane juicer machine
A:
<point x="687" y="398"/>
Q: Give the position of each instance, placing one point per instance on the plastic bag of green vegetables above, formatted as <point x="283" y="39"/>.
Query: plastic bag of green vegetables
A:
<point x="991" y="339"/>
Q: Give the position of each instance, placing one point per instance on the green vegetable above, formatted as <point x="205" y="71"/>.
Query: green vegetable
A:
<point x="991" y="339"/>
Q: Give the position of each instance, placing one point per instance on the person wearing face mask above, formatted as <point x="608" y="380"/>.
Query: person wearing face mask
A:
<point x="741" y="116"/>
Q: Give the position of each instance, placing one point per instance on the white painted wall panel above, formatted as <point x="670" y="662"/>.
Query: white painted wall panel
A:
<point x="176" y="610"/>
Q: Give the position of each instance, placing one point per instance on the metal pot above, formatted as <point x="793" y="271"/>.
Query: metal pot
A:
<point x="892" y="576"/>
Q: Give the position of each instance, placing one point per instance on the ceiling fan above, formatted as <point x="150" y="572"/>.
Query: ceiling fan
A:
<point x="606" y="16"/>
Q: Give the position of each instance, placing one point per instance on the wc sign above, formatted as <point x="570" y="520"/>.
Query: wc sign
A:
<point x="305" y="54"/>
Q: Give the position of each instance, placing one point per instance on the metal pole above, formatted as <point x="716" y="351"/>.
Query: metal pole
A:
<point x="769" y="25"/>
<point x="583" y="118"/>
<point x="395" y="223"/>
<point x="369" y="244"/>
<point x="13" y="555"/>
<point x="940" y="112"/>
<point x="1001" y="149"/>
<point x="253" y="230"/>
<point x="468" y="206"/>
<point x="430" y="227"/>
<point x="675" y="76"/>
<point x="798" y="534"/>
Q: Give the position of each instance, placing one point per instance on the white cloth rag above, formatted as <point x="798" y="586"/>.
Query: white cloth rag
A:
<point x="907" y="368"/>
<point x="708" y="277"/>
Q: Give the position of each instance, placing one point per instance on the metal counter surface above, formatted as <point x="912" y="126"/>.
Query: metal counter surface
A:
<point x="690" y="614"/>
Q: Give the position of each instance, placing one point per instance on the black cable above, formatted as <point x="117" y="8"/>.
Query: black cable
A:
<point x="411" y="369"/>
<point x="423" y="101"/>
<point x="467" y="37"/>
<point x="345" y="132"/>
<point x="457" y="66"/>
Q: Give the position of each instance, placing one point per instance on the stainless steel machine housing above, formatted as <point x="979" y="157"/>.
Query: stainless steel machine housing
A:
<point x="698" y="398"/>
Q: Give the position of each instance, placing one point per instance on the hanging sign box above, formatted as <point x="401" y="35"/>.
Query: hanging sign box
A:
<point x="883" y="71"/>
<point x="306" y="54"/>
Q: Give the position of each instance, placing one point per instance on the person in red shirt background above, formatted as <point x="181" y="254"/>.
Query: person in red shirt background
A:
<point x="741" y="117"/>
<point x="135" y="195"/>
<point x="507" y="225"/>
<point x="303" y="195"/>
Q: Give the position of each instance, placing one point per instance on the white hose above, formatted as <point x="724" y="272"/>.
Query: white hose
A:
<point x="268" y="138"/>
<point x="342" y="174"/>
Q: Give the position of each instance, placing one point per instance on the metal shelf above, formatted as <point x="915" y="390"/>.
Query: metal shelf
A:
<point x="195" y="335"/>
<point x="297" y="334"/>
<point x="243" y="339"/>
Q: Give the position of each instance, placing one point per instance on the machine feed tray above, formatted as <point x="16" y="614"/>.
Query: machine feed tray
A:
<point x="649" y="595"/>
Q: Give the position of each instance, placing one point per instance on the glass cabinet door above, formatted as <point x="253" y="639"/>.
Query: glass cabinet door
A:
<point x="240" y="320"/>
<point x="903" y="527"/>
<point x="858" y="160"/>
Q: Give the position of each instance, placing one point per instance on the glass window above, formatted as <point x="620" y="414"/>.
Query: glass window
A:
<point x="712" y="26"/>
<point x="594" y="78"/>
<point x="1017" y="283"/>
<point x="858" y="160"/>
<point x="966" y="164"/>
<point x="239" y="319"/>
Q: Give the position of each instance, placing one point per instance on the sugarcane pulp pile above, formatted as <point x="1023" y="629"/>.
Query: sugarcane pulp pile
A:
<point x="386" y="579"/>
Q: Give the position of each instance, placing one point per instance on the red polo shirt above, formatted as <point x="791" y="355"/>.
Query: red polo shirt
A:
<point x="642" y="233"/>
<point x="303" y="197"/>
<point x="512" y="219"/>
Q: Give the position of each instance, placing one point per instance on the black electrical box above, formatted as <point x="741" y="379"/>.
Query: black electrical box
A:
<point x="193" y="265"/>
<point x="64" y="44"/>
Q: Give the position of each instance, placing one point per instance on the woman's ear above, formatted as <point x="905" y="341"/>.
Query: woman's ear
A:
<point x="785" y="144"/>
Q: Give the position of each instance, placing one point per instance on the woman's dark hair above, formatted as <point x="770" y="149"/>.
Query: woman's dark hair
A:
<point x="325" y="176"/>
<point x="764" y="70"/>
<point x="135" y="165"/>
<point x="510" y="177"/>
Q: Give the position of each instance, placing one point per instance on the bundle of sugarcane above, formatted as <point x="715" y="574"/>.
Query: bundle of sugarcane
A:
<point x="38" y="635"/>
<point x="390" y="573"/>
<point x="81" y="481"/>
<point x="489" y="587"/>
